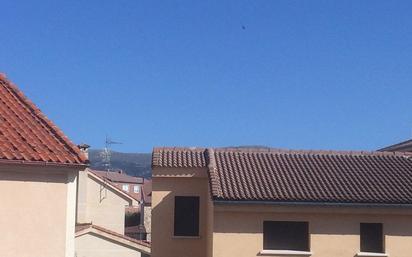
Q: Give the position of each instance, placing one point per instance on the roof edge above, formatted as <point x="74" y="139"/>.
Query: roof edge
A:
<point x="325" y="204"/>
<point x="42" y="163"/>
<point x="406" y="143"/>
<point x="31" y="106"/>
<point x="157" y="150"/>
<point x="109" y="183"/>
<point x="85" y="227"/>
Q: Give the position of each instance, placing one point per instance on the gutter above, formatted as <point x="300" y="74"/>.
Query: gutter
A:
<point x="41" y="163"/>
<point x="319" y="204"/>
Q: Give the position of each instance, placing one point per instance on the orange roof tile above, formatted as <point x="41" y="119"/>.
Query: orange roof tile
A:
<point x="27" y="135"/>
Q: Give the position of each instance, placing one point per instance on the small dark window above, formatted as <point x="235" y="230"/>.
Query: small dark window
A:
<point x="371" y="237"/>
<point x="286" y="235"/>
<point x="186" y="216"/>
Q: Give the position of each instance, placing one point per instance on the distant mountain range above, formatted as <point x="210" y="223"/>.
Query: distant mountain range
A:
<point x="134" y="164"/>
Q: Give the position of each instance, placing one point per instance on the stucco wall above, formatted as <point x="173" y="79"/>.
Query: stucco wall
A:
<point x="237" y="230"/>
<point x="333" y="232"/>
<point x="165" y="188"/>
<point x="100" y="204"/>
<point x="148" y="221"/>
<point x="33" y="212"/>
<point x="90" y="245"/>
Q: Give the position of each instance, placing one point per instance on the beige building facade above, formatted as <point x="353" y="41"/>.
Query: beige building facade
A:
<point x="37" y="206"/>
<point x="100" y="226"/>
<point x="101" y="203"/>
<point x="39" y="167"/>
<point x="236" y="228"/>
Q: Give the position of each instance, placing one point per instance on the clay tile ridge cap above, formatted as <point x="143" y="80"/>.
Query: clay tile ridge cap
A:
<point x="215" y="189"/>
<point x="57" y="132"/>
<point x="310" y="152"/>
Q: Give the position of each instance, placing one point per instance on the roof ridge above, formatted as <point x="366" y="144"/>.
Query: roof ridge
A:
<point x="158" y="150"/>
<point x="212" y="172"/>
<point x="405" y="143"/>
<point x="38" y="113"/>
<point x="312" y="152"/>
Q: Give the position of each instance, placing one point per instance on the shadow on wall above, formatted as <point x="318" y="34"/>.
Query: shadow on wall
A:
<point x="324" y="223"/>
<point x="34" y="177"/>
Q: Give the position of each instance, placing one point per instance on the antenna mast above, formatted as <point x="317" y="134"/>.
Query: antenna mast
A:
<point x="108" y="152"/>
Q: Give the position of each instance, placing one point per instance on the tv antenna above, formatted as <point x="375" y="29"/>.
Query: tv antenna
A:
<point x="108" y="152"/>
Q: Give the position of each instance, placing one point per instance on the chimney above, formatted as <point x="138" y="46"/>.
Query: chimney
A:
<point x="84" y="148"/>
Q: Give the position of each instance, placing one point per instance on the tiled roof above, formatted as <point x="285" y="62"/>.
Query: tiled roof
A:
<point x="405" y="146"/>
<point x="26" y="135"/>
<point x="177" y="157"/>
<point x="252" y="174"/>
<point x="116" y="176"/>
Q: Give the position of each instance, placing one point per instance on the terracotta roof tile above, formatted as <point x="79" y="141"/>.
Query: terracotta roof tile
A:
<point x="27" y="135"/>
<point x="239" y="174"/>
<point x="179" y="157"/>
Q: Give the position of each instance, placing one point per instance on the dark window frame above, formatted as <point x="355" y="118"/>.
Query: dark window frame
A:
<point x="370" y="242"/>
<point x="281" y="235"/>
<point x="186" y="216"/>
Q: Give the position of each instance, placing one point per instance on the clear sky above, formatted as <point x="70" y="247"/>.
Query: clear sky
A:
<point x="287" y="74"/>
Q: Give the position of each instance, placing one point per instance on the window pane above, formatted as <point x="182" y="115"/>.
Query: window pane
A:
<point x="371" y="237"/>
<point x="286" y="235"/>
<point x="186" y="221"/>
<point x="125" y="188"/>
<point x="136" y="189"/>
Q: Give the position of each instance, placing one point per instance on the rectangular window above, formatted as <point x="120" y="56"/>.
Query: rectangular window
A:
<point x="125" y="187"/>
<point x="371" y="237"/>
<point x="286" y="235"/>
<point x="136" y="189"/>
<point x="186" y="221"/>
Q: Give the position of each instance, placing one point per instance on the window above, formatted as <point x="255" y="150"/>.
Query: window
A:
<point x="136" y="189"/>
<point x="371" y="237"/>
<point x="186" y="216"/>
<point x="125" y="187"/>
<point x="286" y="235"/>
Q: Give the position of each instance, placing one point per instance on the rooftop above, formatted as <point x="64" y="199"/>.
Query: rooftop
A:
<point x="28" y="136"/>
<point x="405" y="146"/>
<point x="267" y="174"/>
<point x="118" y="176"/>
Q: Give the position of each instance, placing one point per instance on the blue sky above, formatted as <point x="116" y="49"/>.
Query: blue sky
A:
<point x="288" y="74"/>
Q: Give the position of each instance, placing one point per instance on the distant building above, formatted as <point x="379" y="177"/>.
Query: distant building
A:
<point x="405" y="146"/>
<point x="102" y="203"/>
<point x="225" y="202"/>
<point x="100" y="229"/>
<point x="129" y="184"/>
<point x="39" y="168"/>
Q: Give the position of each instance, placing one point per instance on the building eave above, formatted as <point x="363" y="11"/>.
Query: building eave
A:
<point x="41" y="163"/>
<point x="315" y="204"/>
